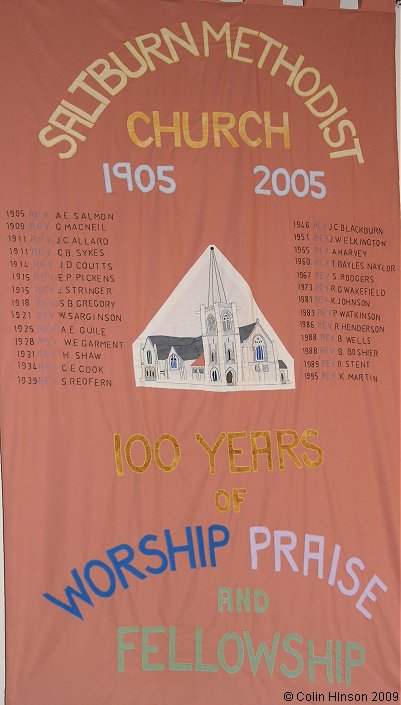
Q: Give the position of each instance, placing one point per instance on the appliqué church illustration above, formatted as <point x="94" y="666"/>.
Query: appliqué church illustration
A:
<point x="225" y="355"/>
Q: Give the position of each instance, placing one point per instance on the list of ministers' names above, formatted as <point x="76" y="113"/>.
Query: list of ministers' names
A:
<point x="64" y="303"/>
<point x="343" y="276"/>
<point x="67" y="325"/>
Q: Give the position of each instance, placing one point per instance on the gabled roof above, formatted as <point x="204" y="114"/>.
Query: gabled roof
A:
<point x="186" y="348"/>
<point x="200" y="362"/>
<point x="246" y="331"/>
<point x="190" y="348"/>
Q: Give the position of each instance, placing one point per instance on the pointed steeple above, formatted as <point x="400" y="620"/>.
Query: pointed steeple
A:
<point x="216" y="293"/>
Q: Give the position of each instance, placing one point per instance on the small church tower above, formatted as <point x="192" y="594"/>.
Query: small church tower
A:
<point x="220" y="332"/>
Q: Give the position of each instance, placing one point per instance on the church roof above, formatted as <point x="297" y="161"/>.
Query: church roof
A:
<point x="246" y="331"/>
<point x="186" y="348"/>
<point x="200" y="362"/>
<point x="189" y="348"/>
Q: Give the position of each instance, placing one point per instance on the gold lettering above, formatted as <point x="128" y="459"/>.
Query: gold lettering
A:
<point x="328" y="90"/>
<point x="243" y="45"/>
<point x="283" y="447"/>
<point x="223" y="128"/>
<point x="232" y="452"/>
<point x="293" y="68"/>
<point x="117" y="455"/>
<point x="196" y="144"/>
<point x="342" y="125"/>
<point x="225" y="31"/>
<point x="356" y="152"/>
<point x="211" y="451"/>
<point x="309" y="91"/>
<point x="80" y="83"/>
<point x="106" y="73"/>
<point x="311" y="446"/>
<point x="143" y="67"/>
<point x="55" y="140"/>
<point x="132" y="132"/>
<point x="333" y="118"/>
<point x="284" y="130"/>
<point x="250" y="114"/>
<point x="72" y="119"/>
<point x="92" y="117"/>
<point x="222" y="507"/>
<point x="188" y="45"/>
<point x="269" y="43"/>
<point x="261" y="450"/>
<point x="138" y="438"/>
<point x="177" y="453"/>
<point x="152" y="49"/>
<point x="175" y="128"/>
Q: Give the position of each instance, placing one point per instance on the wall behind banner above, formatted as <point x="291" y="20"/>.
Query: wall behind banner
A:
<point x="2" y="606"/>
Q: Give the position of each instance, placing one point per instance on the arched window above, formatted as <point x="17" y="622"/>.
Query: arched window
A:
<point x="227" y="321"/>
<point x="259" y="347"/>
<point x="211" y="324"/>
<point x="230" y="378"/>
<point x="149" y="357"/>
<point x="214" y="375"/>
<point x="213" y="356"/>
<point x="173" y="361"/>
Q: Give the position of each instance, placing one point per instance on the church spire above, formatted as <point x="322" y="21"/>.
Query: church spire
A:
<point x="216" y="292"/>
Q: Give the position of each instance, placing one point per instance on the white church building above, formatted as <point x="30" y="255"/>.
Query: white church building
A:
<point x="225" y="356"/>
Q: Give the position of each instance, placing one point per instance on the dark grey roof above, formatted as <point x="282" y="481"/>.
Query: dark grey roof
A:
<point x="186" y="348"/>
<point x="282" y="365"/>
<point x="245" y="331"/>
<point x="189" y="348"/>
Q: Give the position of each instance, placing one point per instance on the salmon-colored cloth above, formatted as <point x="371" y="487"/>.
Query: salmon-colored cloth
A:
<point x="199" y="359"/>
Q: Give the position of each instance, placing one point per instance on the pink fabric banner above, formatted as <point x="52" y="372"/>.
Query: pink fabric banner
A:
<point x="199" y="358"/>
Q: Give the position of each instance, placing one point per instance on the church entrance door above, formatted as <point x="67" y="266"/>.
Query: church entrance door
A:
<point x="230" y="377"/>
